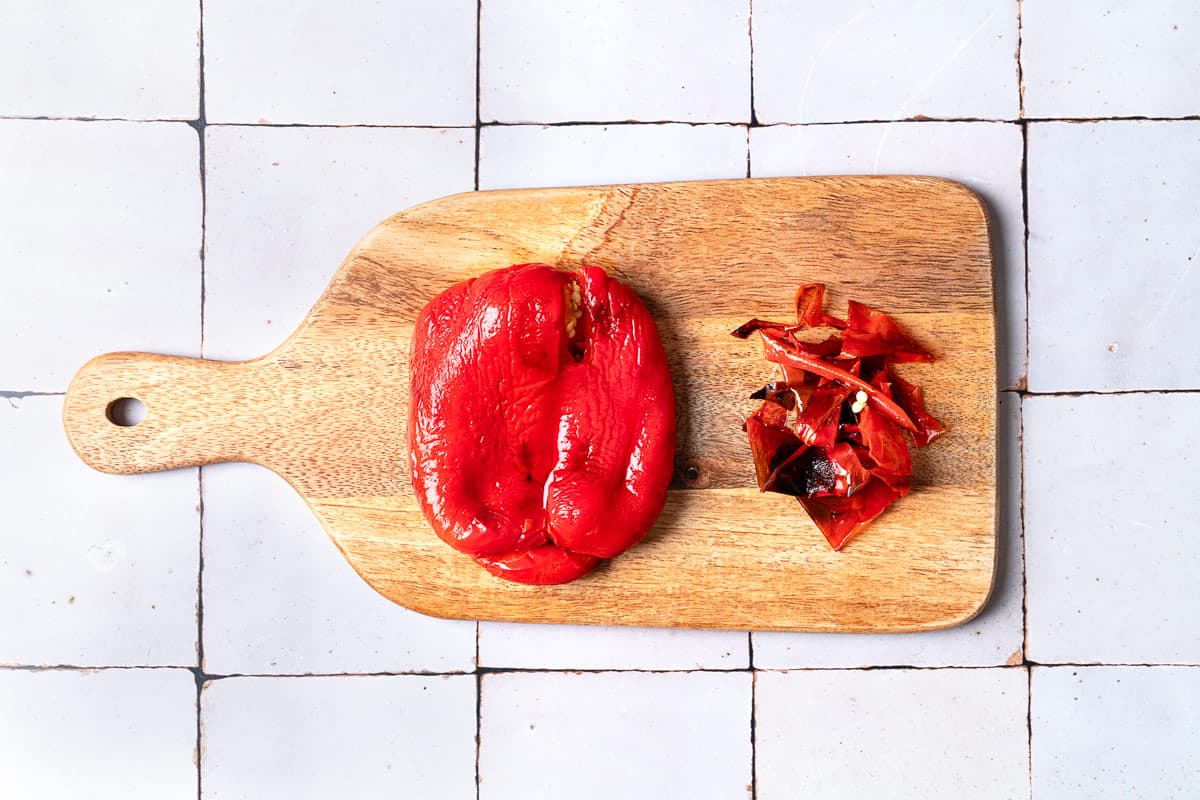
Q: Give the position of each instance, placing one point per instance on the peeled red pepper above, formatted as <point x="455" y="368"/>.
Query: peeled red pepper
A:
<point x="542" y="420"/>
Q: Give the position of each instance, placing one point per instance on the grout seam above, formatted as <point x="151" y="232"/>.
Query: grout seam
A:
<point x="200" y="128"/>
<point x="1029" y="726"/>
<point x="478" y="710"/>
<point x="1020" y="63"/>
<point x="198" y="670"/>
<point x="753" y="717"/>
<point x="201" y="124"/>
<point x="209" y="677"/>
<point x="48" y="118"/>
<point x="753" y="115"/>
<point x="478" y="729"/>
<point x="1024" y="381"/>
<point x="754" y="122"/>
<point x="338" y="125"/>
<point x="1025" y="587"/>
<point x="478" y="94"/>
<point x="1100" y="392"/>
<point x="1021" y="528"/>
<point x="21" y="394"/>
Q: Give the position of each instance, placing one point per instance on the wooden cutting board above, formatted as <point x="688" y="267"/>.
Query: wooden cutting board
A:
<point x="326" y="410"/>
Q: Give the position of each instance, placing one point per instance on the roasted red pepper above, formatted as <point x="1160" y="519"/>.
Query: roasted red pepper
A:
<point x="542" y="420"/>
<point x="830" y="433"/>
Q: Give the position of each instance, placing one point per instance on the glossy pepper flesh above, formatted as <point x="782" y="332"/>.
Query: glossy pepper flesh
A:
<point x="541" y="421"/>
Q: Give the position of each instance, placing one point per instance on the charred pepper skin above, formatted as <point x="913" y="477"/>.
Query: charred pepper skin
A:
<point x="541" y="420"/>
<point x="844" y="461"/>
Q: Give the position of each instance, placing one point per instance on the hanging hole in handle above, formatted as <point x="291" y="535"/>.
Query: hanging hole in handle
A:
<point x="125" y="412"/>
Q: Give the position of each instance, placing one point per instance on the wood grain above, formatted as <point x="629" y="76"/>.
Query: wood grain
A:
<point x="326" y="410"/>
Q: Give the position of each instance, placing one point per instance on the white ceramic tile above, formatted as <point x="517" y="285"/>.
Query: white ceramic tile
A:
<point x="1085" y="59"/>
<point x="1110" y="542"/>
<point x="105" y="735"/>
<point x="139" y="59"/>
<point x="615" y="734"/>
<point x="1108" y="732"/>
<point x="984" y="156"/>
<point x="285" y="205"/>
<point x="523" y="156"/>
<point x="355" y="62"/>
<point x="360" y="737"/>
<point x="1114" y="255"/>
<point x="94" y="569"/>
<point x="993" y="638"/>
<point x="280" y="598"/>
<point x="872" y="59"/>
<point x="920" y="734"/>
<point x="100" y="238"/>
<point x="588" y="647"/>
<point x="610" y="60"/>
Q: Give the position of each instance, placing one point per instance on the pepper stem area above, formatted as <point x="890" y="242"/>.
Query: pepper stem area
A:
<point x="575" y="332"/>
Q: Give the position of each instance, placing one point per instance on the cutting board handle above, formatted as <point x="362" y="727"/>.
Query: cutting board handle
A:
<point x="196" y="412"/>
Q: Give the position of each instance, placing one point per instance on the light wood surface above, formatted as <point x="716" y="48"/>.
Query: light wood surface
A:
<point x="326" y="410"/>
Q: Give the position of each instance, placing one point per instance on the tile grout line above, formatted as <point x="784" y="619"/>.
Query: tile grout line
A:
<point x="754" y="123"/>
<point x="49" y="118"/>
<point x="1024" y="381"/>
<point x="421" y="126"/>
<point x="478" y="90"/>
<point x="478" y="708"/>
<point x="1098" y="392"/>
<point x="1024" y="565"/>
<point x="201" y="678"/>
<point x="14" y="398"/>
<point x="1020" y="63"/>
<point x="1029" y="726"/>
<point x="198" y="672"/>
<point x="753" y="716"/>
<point x="1021" y="527"/>
<point x="750" y="36"/>
<point x="209" y="677"/>
<point x="478" y="728"/>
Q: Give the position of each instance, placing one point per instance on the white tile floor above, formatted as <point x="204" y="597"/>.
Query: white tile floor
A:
<point x="905" y="734"/>
<point x="112" y="734"/>
<point x="366" y="736"/>
<point x="615" y="734"/>
<point x="867" y="60"/>
<point x="186" y="181"/>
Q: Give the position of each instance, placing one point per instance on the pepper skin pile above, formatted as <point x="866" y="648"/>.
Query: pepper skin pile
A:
<point x="829" y="433"/>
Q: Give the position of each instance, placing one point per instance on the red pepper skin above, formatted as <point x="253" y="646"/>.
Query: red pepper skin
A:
<point x="873" y="333"/>
<point x="839" y="518"/>
<point x="912" y="399"/>
<point x="536" y="451"/>
<point x="845" y="462"/>
<point x="779" y="351"/>
<point x="810" y="307"/>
